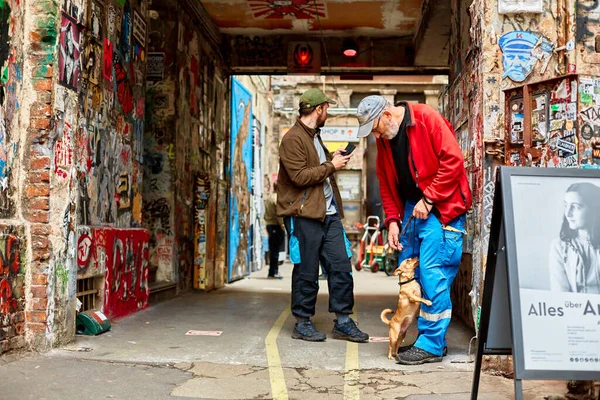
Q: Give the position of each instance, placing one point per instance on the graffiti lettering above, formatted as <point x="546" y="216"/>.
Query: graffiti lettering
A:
<point x="63" y="152"/>
<point x="123" y="255"/>
<point x="159" y="210"/>
<point x="591" y="115"/>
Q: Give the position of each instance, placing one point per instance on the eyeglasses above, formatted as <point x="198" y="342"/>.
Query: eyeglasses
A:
<point x="374" y="130"/>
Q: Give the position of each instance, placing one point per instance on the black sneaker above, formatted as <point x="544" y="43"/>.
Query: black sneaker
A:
<point x="307" y="331"/>
<point x="417" y="356"/>
<point x="349" y="331"/>
<point x="404" y="349"/>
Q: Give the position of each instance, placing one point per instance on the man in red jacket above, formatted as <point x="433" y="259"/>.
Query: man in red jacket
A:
<point x="423" y="183"/>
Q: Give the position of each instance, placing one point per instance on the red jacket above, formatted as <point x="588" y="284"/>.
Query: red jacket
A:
<point x="436" y="164"/>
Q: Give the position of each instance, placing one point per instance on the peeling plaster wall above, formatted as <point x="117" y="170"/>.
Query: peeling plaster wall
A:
<point x="13" y="242"/>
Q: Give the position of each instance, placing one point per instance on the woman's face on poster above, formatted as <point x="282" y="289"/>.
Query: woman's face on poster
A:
<point x="577" y="212"/>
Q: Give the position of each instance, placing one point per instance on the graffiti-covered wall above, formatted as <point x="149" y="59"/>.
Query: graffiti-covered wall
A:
<point x="185" y="140"/>
<point x="159" y="142"/>
<point x="97" y="141"/>
<point x="12" y="237"/>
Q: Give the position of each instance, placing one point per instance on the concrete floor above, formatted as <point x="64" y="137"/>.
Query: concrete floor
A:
<point x="148" y="355"/>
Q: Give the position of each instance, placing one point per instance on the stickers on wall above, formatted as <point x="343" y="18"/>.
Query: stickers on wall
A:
<point x="539" y="116"/>
<point x="587" y="132"/>
<point x="589" y="97"/>
<point x="516" y="121"/>
<point x="68" y="57"/>
<point x="586" y="91"/>
<point x="155" y="67"/>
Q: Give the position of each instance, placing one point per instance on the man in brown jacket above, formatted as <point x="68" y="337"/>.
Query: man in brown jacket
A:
<point x="309" y="200"/>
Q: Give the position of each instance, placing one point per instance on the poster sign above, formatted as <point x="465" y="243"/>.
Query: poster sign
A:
<point x="544" y="255"/>
<point x="339" y="133"/>
<point x="520" y="6"/>
<point x="68" y="55"/>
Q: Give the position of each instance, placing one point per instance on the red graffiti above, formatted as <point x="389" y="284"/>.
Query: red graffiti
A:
<point x="108" y="60"/>
<point x="9" y="268"/>
<point x="5" y="297"/>
<point x="123" y="89"/>
<point x="125" y="155"/>
<point x="125" y="254"/>
<point x="127" y="271"/>
<point x="84" y="250"/>
<point x="9" y="260"/>
<point x="63" y="152"/>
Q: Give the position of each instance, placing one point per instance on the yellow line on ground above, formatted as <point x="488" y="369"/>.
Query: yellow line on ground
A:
<point x="351" y="378"/>
<point x="278" y="387"/>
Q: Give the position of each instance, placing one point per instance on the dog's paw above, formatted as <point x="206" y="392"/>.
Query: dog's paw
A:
<point x="429" y="303"/>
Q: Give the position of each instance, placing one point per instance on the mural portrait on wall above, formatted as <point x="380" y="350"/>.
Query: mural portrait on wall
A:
<point x="517" y="57"/>
<point x="68" y="61"/>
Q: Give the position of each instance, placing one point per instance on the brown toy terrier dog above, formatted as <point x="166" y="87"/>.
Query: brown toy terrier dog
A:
<point x="408" y="308"/>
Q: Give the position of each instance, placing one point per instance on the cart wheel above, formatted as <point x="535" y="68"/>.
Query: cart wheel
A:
<point x="390" y="262"/>
<point x="375" y="268"/>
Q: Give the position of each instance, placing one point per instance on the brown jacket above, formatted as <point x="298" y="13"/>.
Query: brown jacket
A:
<point x="300" y="172"/>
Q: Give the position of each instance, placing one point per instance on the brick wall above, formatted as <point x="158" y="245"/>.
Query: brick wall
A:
<point x="41" y="38"/>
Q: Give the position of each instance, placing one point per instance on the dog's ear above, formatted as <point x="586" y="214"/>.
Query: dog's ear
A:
<point x="397" y="271"/>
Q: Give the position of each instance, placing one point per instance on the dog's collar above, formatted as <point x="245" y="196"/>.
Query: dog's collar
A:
<point x="404" y="283"/>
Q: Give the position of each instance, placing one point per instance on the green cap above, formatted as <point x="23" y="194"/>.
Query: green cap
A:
<point x="313" y="98"/>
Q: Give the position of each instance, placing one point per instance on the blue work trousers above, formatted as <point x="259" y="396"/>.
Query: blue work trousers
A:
<point x="439" y="249"/>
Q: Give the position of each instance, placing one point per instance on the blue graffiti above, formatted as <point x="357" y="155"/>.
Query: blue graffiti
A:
<point x="241" y="147"/>
<point x="517" y="57"/>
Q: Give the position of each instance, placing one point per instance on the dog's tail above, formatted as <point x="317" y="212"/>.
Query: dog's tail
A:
<point x="384" y="314"/>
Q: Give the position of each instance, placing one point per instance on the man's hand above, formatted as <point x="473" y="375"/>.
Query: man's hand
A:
<point x="394" y="236"/>
<point x="339" y="161"/>
<point x="422" y="210"/>
<point x="339" y="152"/>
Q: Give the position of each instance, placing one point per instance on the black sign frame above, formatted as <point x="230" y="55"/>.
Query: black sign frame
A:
<point x="501" y="286"/>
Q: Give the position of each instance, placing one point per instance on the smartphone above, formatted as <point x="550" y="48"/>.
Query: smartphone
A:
<point x="349" y="149"/>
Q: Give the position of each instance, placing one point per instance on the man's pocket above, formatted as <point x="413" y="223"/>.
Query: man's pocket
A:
<point x="451" y="245"/>
<point x="295" y="257"/>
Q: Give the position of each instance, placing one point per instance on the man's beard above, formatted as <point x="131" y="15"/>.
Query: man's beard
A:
<point x="320" y="123"/>
<point x="392" y="131"/>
